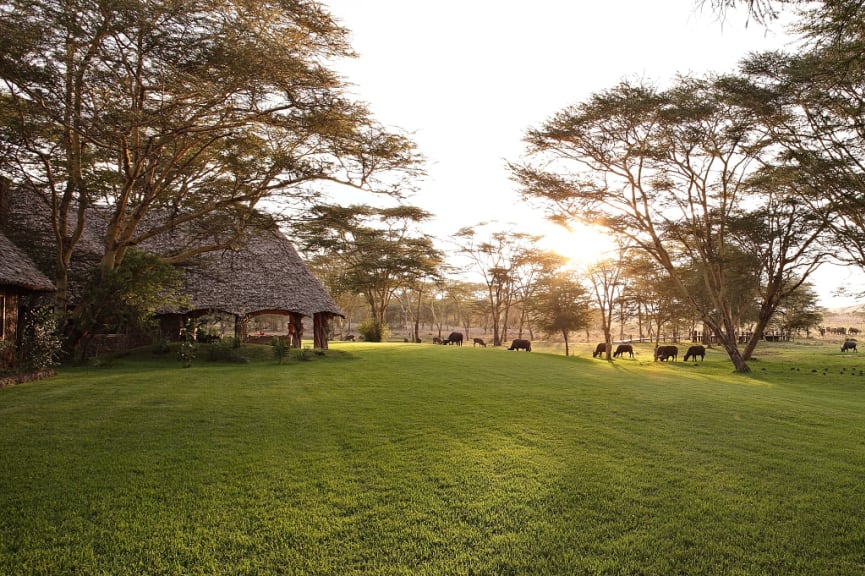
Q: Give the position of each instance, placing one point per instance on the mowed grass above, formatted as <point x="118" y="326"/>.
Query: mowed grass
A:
<point x="419" y="459"/>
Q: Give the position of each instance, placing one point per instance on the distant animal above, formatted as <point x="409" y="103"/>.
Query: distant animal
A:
<point x="695" y="351"/>
<point x="455" y="338"/>
<point x="599" y="350"/>
<point x="623" y="349"/>
<point x="849" y="345"/>
<point x="478" y="342"/>
<point x="349" y="338"/>
<point x="663" y="353"/>
<point x="437" y="340"/>
<point x="520" y="344"/>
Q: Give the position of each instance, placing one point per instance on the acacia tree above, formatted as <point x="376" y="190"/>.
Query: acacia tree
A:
<point x="379" y="248"/>
<point x="785" y="242"/>
<point x="605" y="277"/>
<point x="410" y="299"/>
<point x="800" y="311"/>
<point x="668" y="170"/>
<point x="561" y="305"/>
<point x="763" y="11"/>
<point x="821" y="91"/>
<point x="462" y="296"/>
<point x="529" y="267"/>
<point x="178" y="114"/>
<point x="496" y="260"/>
<point x="644" y="279"/>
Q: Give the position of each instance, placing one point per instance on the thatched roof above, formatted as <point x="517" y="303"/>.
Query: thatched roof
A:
<point x="264" y="274"/>
<point x="16" y="269"/>
<point x="27" y="223"/>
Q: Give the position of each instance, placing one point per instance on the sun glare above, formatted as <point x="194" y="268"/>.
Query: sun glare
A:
<point x="582" y="245"/>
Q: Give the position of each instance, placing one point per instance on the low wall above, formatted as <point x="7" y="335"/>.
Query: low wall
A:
<point x="7" y="381"/>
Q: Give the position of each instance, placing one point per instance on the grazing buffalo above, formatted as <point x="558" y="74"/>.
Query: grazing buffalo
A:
<point x="599" y="349"/>
<point x="520" y="344"/>
<point x="695" y="351"/>
<point x="663" y="353"/>
<point x="455" y="338"/>
<point x="623" y="349"/>
<point x="478" y="342"/>
<point x="849" y="345"/>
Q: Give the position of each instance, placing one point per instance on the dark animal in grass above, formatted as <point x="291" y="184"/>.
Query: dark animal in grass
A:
<point x="478" y="342"/>
<point x="437" y="340"/>
<point x="520" y="344"/>
<point x="623" y="349"/>
<point x="663" y="353"/>
<point x="849" y="345"/>
<point x="695" y="351"/>
<point x="599" y="350"/>
<point x="455" y="338"/>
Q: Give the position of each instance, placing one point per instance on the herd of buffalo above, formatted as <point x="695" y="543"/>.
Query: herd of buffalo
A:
<point x="456" y="339"/>
<point x="662" y="353"/>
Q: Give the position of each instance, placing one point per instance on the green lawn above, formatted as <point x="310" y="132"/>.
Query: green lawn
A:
<point x="420" y="459"/>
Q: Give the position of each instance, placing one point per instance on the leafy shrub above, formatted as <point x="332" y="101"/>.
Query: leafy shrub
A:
<point x="40" y="343"/>
<point x="186" y="353"/>
<point x="123" y="300"/>
<point x="371" y="332"/>
<point x="280" y="349"/>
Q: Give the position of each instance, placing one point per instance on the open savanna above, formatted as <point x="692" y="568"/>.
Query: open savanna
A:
<point x="418" y="459"/>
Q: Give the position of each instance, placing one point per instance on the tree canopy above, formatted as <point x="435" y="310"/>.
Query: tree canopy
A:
<point x="378" y="250"/>
<point x="186" y="112"/>
<point x="561" y="305"/>
<point x="671" y="171"/>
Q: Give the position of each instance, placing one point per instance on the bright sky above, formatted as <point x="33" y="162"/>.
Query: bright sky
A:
<point x="466" y="79"/>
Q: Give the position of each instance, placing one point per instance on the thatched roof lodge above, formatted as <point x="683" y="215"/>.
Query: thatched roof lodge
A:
<point x="265" y="275"/>
<point x="261" y="274"/>
<point x="19" y="276"/>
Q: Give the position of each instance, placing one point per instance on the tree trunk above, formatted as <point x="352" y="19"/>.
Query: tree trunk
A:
<point x="739" y="362"/>
<point x="497" y="336"/>
<point x="417" y="315"/>
<point x="766" y="313"/>
<point x="727" y="338"/>
<point x="320" y="322"/>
